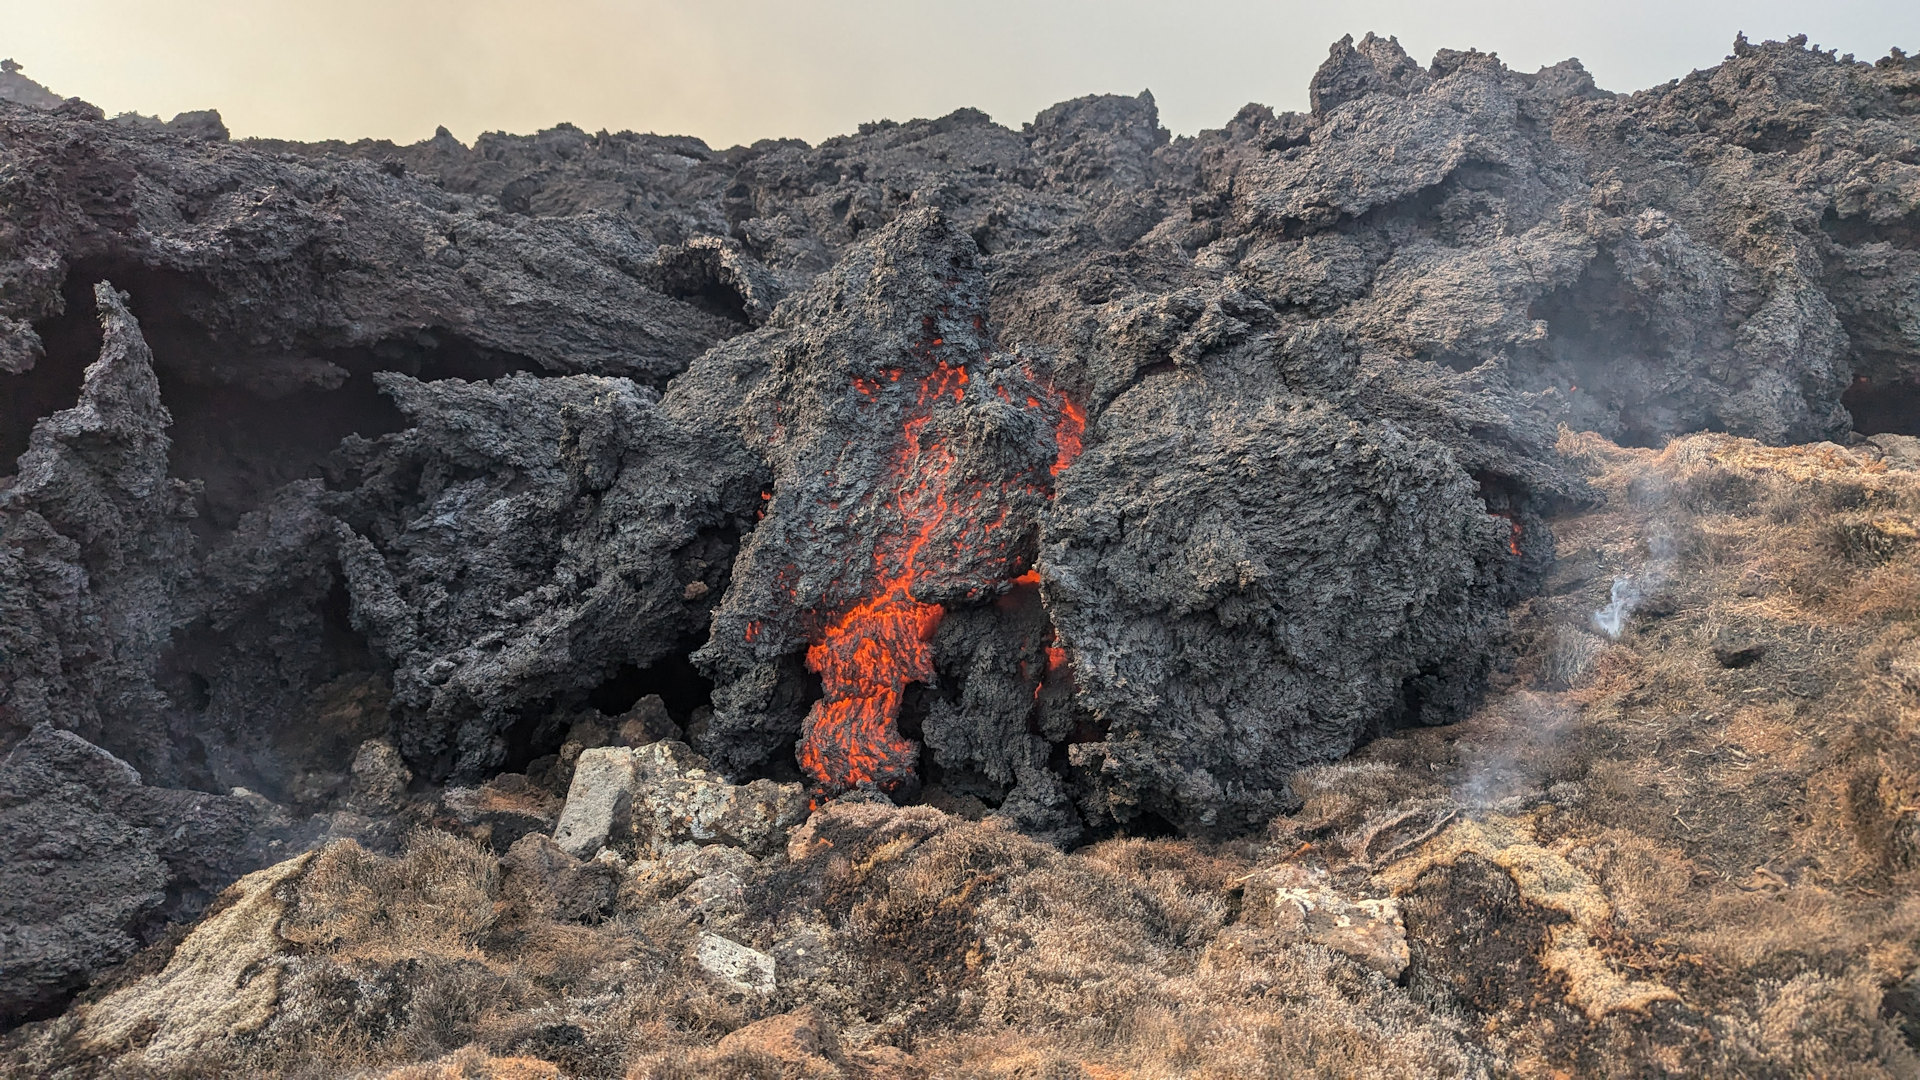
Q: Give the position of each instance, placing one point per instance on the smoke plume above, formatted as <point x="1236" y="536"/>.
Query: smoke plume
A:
<point x="1631" y="590"/>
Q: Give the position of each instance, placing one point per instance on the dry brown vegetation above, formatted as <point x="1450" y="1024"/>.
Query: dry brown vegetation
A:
<point x="1690" y="851"/>
<point x="1739" y="766"/>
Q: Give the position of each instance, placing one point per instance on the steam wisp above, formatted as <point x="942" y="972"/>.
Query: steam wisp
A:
<point x="1631" y="590"/>
<point x="1626" y="596"/>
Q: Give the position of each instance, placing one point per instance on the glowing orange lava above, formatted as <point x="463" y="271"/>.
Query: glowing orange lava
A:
<point x="1067" y="434"/>
<point x="1513" y="540"/>
<point x="866" y="656"/>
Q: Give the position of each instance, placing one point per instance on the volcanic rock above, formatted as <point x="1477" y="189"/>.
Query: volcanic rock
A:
<point x="1900" y="451"/>
<point x="501" y="811"/>
<point x="599" y="802"/>
<point x="801" y="1038"/>
<point x="1733" y="649"/>
<point x="96" y="554"/>
<point x="720" y="875"/>
<point x="660" y="795"/>
<point x="472" y="596"/>
<point x="1303" y="906"/>
<point x="1080" y="472"/>
<point x="93" y="863"/>
<point x="1298" y="572"/>
<point x="648" y="720"/>
<point x="736" y="965"/>
<point x="17" y="88"/>
<point x="863" y="539"/>
<point x="282" y="261"/>
<point x="380" y="778"/>
<point x="554" y="884"/>
<point x="223" y="979"/>
<point x="1668" y="868"/>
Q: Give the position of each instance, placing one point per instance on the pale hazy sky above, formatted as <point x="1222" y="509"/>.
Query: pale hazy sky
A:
<point x="739" y="70"/>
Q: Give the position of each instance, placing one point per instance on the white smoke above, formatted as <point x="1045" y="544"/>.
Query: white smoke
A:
<point x="1612" y="619"/>
<point x="1513" y="758"/>
<point x="1509" y="762"/>
<point x="1630" y="590"/>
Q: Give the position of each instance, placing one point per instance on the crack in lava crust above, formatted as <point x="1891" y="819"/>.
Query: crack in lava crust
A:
<point x="866" y="657"/>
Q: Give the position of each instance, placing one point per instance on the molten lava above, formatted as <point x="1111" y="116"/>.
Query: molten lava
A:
<point x="865" y="662"/>
<point x="1517" y="534"/>
<point x="867" y="655"/>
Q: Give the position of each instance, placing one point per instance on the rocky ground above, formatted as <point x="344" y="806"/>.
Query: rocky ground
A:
<point x="961" y="601"/>
<point x="1688" y="850"/>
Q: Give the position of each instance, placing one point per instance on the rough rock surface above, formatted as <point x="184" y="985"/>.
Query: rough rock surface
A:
<point x="1304" y="905"/>
<point x="661" y="795"/>
<point x="93" y="862"/>
<point x="18" y="88"/>
<point x="287" y="265"/>
<point x="1076" y="473"/>
<point x="909" y="467"/>
<point x="523" y="541"/>
<point x="1418" y="279"/>
<point x="1651" y="864"/>
<point x="503" y="810"/>
<point x="97" y="550"/>
<point x="1304" y="573"/>
<point x="223" y="980"/>
<point x="736" y="965"/>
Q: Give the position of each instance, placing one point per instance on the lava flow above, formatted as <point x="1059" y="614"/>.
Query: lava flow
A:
<point x="866" y="657"/>
<point x="1513" y="540"/>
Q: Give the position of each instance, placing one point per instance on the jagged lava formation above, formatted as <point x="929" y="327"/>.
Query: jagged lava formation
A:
<point x="866" y="657"/>
<point x="1076" y="475"/>
<point x="911" y="467"/>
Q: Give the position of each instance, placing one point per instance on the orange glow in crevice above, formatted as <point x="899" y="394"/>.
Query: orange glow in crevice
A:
<point x="1067" y="434"/>
<point x="1518" y="533"/>
<point x="867" y="655"/>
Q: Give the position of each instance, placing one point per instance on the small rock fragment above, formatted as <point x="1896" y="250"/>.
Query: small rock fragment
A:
<point x="554" y="884"/>
<point x="646" y="722"/>
<point x="502" y="810"/>
<point x="1301" y="904"/>
<point x="735" y="964"/>
<point x="379" y="778"/>
<point x="719" y="887"/>
<point x="801" y="1037"/>
<point x="601" y="795"/>
<point x="659" y="795"/>
<point x="1733" y="650"/>
<point x="1898" y="451"/>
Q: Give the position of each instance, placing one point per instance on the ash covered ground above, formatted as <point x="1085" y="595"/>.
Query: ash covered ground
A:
<point x="811" y="601"/>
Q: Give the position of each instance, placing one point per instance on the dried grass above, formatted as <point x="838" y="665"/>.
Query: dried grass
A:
<point x="436" y="901"/>
<point x="1742" y="844"/>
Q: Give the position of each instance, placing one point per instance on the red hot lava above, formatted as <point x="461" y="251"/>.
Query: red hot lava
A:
<point x="866" y="657"/>
<point x="1518" y="533"/>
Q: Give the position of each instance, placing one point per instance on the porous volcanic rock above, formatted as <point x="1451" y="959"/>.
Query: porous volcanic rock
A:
<point x="653" y="798"/>
<point x="1202" y="641"/>
<point x="18" y="88"/>
<point x="93" y="863"/>
<point x="523" y="540"/>
<point x="275" y="262"/>
<point x="1302" y="574"/>
<point x="909" y="464"/>
<point x="96" y="554"/>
